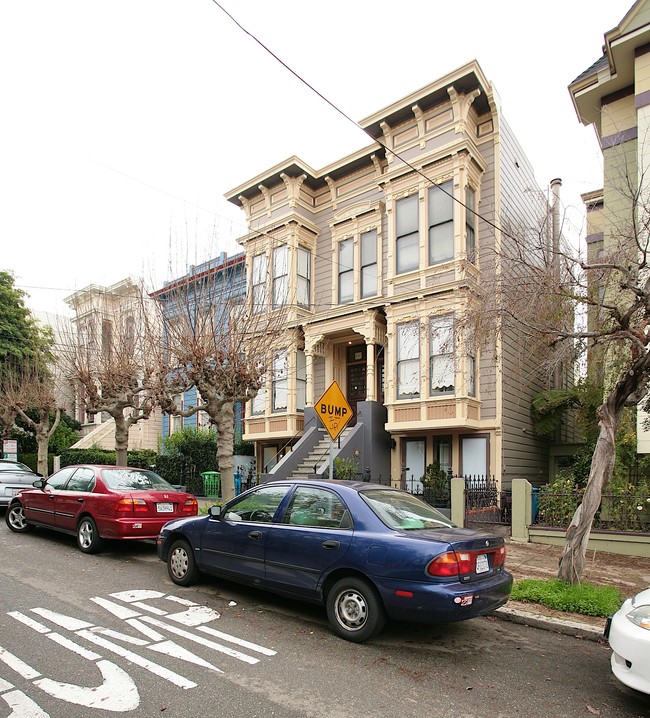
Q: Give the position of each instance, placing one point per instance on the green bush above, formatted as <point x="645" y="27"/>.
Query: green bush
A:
<point x="142" y="459"/>
<point x="584" y="598"/>
<point x="196" y="448"/>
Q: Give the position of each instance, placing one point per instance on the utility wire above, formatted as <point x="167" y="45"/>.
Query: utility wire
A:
<point x="355" y="123"/>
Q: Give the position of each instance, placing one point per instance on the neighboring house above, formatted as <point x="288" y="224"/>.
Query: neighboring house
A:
<point x="63" y="332"/>
<point x="374" y="267"/>
<point x="613" y="95"/>
<point x="96" y="310"/>
<point x="220" y="281"/>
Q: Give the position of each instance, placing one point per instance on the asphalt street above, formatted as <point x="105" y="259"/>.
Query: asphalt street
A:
<point x="110" y="634"/>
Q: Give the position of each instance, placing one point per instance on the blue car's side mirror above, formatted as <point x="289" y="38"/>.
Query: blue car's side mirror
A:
<point x="215" y="512"/>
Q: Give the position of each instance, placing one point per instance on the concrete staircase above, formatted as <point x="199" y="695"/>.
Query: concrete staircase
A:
<point x="318" y="458"/>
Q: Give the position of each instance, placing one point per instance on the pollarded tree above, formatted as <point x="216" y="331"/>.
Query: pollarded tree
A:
<point x="214" y="343"/>
<point x="30" y="393"/>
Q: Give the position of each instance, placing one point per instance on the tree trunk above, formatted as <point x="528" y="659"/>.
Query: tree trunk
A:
<point x="572" y="561"/>
<point x="121" y="440"/>
<point x="42" y="443"/>
<point x="225" y="446"/>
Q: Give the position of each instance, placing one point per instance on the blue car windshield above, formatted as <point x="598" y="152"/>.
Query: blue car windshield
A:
<point x="403" y="511"/>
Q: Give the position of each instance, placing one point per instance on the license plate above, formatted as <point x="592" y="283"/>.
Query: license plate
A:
<point x="482" y="564"/>
<point x="165" y="508"/>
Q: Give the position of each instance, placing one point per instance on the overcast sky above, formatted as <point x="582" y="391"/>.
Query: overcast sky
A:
<point x="125" y="122"/>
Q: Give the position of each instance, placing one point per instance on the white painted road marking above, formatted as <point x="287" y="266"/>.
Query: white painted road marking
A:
<point x="118" y="692"/>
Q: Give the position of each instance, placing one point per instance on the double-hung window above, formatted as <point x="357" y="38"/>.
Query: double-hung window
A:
<point x="470" y="366"/>
<point x="346" y="270"/>
<point x="408" y="360"/>
<point x="441" y="355"/>
<point x="369" y="264"/>
<point x="303" y="290"/>
<point x="258" y="403"/>
<point x="470" y="224"/>
<point x="441" y="223"/>
<point x="259" y="283"/>
<point x="280" y="276"/>
<point x="407" y="245"/>
<point x="280" y="378"/>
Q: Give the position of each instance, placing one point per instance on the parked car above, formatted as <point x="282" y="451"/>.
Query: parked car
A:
<point x="100" y="502"/>
<point x="14" y="476"/>
<point x="366" y="551"/>
<point x="628" y="633"/>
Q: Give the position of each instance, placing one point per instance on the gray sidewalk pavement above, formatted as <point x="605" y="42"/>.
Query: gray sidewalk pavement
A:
<point x="630" y="574"/>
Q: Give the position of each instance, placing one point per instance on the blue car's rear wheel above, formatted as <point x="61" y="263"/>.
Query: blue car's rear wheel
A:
<point x="354" y="610"/>
<point x="181" y="565"/>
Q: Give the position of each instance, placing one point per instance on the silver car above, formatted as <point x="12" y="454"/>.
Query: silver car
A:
<point x="14" y="477"/>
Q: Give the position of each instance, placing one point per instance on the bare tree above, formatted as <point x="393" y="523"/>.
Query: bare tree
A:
<point x="561" y="305"/>
<point x="115" y="361"/>
<point x="217" y="343"/>
<point x="27" y="392"/>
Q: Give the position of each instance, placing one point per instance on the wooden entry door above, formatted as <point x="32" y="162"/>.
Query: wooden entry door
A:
<point x="356" y="378"/>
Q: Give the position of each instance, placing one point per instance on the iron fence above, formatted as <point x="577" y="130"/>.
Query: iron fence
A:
<point x="627" y="511"/>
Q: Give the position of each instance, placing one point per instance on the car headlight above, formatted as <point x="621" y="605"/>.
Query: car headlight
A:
<point x="640" y="617"/>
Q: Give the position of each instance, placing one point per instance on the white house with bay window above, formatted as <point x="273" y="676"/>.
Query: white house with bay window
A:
<point x="375" y="261"/>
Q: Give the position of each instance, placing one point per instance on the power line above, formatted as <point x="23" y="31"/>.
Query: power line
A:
<point x="356" y="124"/>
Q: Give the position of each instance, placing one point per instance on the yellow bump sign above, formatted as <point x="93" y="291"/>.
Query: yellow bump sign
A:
<point x="334" y="410"/>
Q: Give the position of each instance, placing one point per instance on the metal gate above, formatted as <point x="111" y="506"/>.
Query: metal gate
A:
<point x="486" y="503"/>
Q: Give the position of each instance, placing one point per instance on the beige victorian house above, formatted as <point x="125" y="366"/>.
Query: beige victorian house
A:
<point x="375" y="260"/>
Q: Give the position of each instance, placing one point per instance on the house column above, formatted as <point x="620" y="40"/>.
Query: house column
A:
<point x="309" y="369"/>
<point x="370" y="372"/>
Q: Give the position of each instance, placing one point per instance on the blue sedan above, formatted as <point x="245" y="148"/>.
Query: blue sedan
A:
<point x="367" y="552"/>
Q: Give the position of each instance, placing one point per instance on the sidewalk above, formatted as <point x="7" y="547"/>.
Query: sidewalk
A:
<point x="526" y="560"/>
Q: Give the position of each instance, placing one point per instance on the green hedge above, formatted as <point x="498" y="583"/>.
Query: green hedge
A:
<point x="141" y="459"/>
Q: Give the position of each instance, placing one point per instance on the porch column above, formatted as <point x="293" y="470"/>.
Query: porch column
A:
<point x="370" y="372"/>
<point x="309" y="376"/>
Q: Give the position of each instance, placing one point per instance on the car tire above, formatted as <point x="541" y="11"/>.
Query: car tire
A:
<point x="88" y="538"/>
<point x="354" y="610"/>
<point x="181" y="564"/>
<point x="15" y="518"/>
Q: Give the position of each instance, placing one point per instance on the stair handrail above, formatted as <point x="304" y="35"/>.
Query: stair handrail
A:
<point x="288" y="443"/>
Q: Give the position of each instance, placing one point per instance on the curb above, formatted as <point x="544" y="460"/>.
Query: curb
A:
<point x="568" y="628"/>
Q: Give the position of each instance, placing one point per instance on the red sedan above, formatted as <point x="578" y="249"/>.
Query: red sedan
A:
<point x="100" y="502"/>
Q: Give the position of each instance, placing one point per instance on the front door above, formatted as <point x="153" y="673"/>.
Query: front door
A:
<point x="356" y="378"/>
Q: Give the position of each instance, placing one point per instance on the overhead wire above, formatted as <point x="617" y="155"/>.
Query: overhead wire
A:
<point x="354" y="122"/>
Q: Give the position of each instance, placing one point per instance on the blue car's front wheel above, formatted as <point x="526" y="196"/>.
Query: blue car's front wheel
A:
<point x="354" y="609"/>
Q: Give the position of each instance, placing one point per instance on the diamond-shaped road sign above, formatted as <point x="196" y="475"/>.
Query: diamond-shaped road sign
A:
<point x="334" y="410"/>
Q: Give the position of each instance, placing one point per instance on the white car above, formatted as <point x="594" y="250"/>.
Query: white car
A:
<point x="628" y="633"/>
